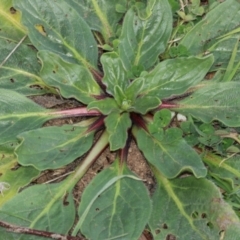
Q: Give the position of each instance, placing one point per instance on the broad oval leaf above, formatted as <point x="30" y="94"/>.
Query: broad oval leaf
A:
<point x="142" y="41"/>
<point x="71" y="79"/>
<point x="114" y="205"/>
<point x="169" y="153"/>
<point x="214" y="101"/>
<point x="100" y="15"/>
<point x="57" y="27"/>
<point x="117" y="125"/>
<point x="19" y="114"/>
<point x="21" y="71"/>
<point x="195" y="204"/>
<point x="53" y="147"/>
<point x="47" y="207"/>
<point x="175" y="76"/>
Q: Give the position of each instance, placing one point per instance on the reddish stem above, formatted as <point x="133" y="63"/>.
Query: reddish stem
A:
<point x="24" y="230"/>
<point x="138" y="120"/>
<point x="77" y="112"/>
<point x="123" y="153"/>
<point x="97" y="125"/>
<point x="167" y="105"/>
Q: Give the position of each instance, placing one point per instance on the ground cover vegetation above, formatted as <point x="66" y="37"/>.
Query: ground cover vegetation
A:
<point x="161" y="73"/>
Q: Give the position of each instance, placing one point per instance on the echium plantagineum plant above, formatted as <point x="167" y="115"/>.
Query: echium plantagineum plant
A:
<point x="124" y="62"/>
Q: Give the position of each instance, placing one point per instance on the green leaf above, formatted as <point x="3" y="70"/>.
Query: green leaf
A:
<point x="168" y="152"/>
<point x="207" y="33"/>
<point x="145" y="103"/>
<point x="18" y="74"/>
<point x="161" y="119"/>
<point x="117" y="125"/>
<point x="114" y="72"/>
<point x="11" y="27"/>
<point x="196" y="204"/>
<point x="53" y="147"/>
<point x="216" y="101"/>
<point x="100" y="15"/>
<point x="73" y="80"/>
<point x="227" y="169"/>
<point x="223" y="51"/>
<point x="231" y="68"/>
<point x="105" y="106"/>
<point x="114" y="205"/>
<point x="14" y="176"/>
<point x="46" y="207"/>
<point x="175" y="76"/>
<point x="134" y="88"/>
<point x="59" y="28"/>
<point x="19" y="114"/>
<point x="142" y="41"/>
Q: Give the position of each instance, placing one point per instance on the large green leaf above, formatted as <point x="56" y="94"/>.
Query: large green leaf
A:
<point x="19" y="114"/>
<point x="71" y="79"/>
<point x="21" y="71"/>
<point x="114" y="72"/>
<point x="175" y="76"/>
<point x="117" y="125"/>
<point x="142" y="41"/>
<point x="218" y="101"/>
<point x="11" y="28"/>
<point x="115" y="205"/>
<point x="14" y="178"/>
<point x="47" y="207"/>
<point x="169" y="152"/>
<point x="53" y="147"/>
<point x="207" y="30"/>
<point x="57" y="27"/>
<point x="191" y="208"/>
<point x="100" y="15"/>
